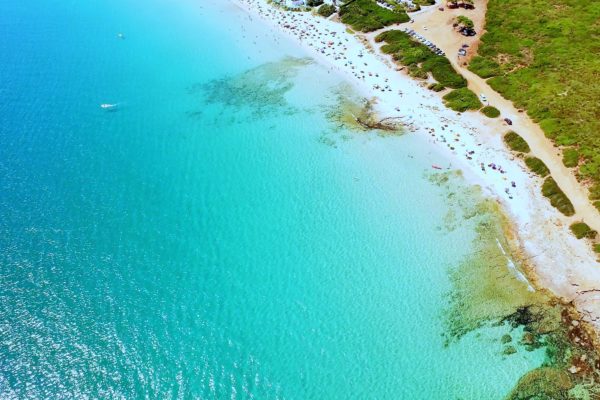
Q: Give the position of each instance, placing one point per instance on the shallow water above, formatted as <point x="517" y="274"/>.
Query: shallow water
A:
<point x="217" y="234"/>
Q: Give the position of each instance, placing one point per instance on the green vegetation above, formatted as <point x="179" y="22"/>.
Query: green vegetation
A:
<point x="326" y="10"/>
<point x="517" y="143"/>
<point x="416" y="5"/>
<point x="597" y="247"/>
<point x="419" y="59"/>
<point x="465" y="21"/>
<point x="543" y="55"/>
<point x="557" y="197"/>
<point x="436" y="87"/>
<point x="314" y="3"/>
<point x="570" y="157"/>
<point x="542" y="383"/>
<point x="462" y="99"/>
<point x="367" y="16"/>
<point x="490" y="112"/>
<point x="537" y="166"/>
<point x="484" y="67"/>
<point x="582" y="230"/>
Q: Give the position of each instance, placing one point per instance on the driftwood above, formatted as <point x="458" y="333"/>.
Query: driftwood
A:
<point x="385" y="124"/>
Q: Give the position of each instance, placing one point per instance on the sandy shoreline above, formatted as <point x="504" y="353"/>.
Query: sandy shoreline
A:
<point x="552" y="256"/>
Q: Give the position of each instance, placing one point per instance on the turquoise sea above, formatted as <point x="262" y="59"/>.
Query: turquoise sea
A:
<point x="216" y="235"/>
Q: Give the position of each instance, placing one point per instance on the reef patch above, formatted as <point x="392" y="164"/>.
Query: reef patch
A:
<point x="256" y="93"/>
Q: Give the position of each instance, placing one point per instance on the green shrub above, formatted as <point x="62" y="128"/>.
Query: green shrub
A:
<point x="367" y="16"/>
<point x="595" y="191"/>
<point x="517" y="143"/>
<point x="570" y="157"/>
<point x="436" y="87"/>
<point x="483" y="67"/>
<point x="443" y="71"/>
<point x="557" y="197"/>
<point x="582" y="230"/>
<point x="326" y="10"/>
<point x="551" y="127"/>
<point x="597" y="205"/>
<point x="597" y="247"/>
<point x="314" y="3"/>
<point x="462" y="99"/>
<point x="419" y="59"/>
<point x="416" y="72"/>
<point x="465" y="21"/>
<point x="537" y="166"/>
<point x="490" y="112"/>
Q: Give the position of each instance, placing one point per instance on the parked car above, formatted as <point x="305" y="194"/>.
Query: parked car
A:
<point x="467" y="31"/>
<point x="508" y="121"/>
<point x="483" y="97"/>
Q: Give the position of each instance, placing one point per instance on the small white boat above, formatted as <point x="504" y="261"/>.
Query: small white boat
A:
<point x="107" y="106"/>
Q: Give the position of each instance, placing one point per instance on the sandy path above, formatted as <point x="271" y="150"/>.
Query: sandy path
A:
<point x="436" y="26"/>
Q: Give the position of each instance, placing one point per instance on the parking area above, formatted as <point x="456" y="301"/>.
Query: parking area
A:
<point x="424" y="41"/>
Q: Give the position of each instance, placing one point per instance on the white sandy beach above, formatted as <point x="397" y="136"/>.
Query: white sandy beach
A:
<point x="471" y="142"/>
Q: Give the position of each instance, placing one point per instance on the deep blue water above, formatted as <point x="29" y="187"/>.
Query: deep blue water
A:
<point x="216" y="235"/>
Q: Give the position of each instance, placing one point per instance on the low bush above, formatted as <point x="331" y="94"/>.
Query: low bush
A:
<point x="597" y="247"/>
<point x="326" y="10"/>
<point x="367" y="16"/>
<point x="419" y="59"/>
<point x="490" y="112"/>
<point x="557" y="197"/>
<point x="314" y="3"/>
<point x="570" y="157"/>
<point x="537" y="166"/>
<point x="582" y="230"/>
<point x="436" y="87"/>
<point x="484" y="67"/>
<point x="516" y="143"/>
<point x="465" y="22"/>
<point x="462" y="99"/>
<point x="416" y="72"/>
<point x="443" y="71"/>
<point x="595" y="192"/>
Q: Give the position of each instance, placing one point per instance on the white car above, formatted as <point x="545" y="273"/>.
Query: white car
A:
<point x="483" y="98"/>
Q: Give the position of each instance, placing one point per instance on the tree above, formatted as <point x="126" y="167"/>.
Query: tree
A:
<point x="465" y="22"/>
<point x="326" y="10"/>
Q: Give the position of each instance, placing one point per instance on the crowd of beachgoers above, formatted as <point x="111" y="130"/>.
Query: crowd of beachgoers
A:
<point x="465" y="141"/>
<point x="345" y="53"/>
